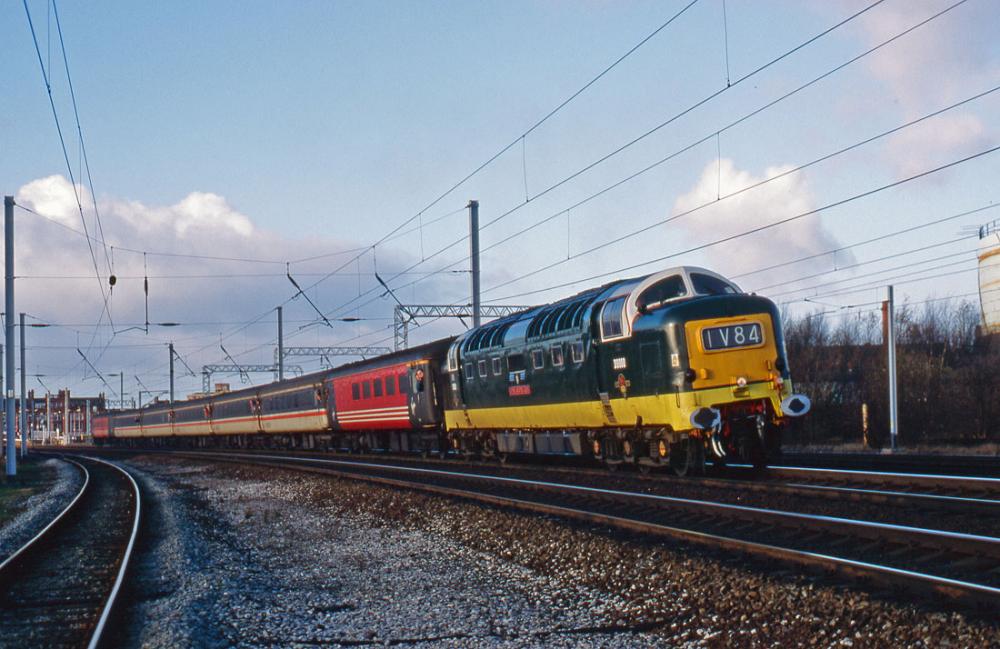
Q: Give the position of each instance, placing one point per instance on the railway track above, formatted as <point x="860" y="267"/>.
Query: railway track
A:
<point x="60" y="588"/>
<point x="964" y="568"/>
<point x="987" y="466"/>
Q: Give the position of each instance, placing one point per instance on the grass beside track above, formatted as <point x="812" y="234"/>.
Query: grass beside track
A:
<point x="32" y="477"/>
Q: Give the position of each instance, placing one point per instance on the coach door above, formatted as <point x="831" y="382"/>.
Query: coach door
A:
<point x="421" y="394"/>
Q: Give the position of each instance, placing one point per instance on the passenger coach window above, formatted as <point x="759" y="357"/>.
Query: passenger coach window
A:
<point x="366" y="389"/>
<point x="355" y="391"/>
<point x="404" y="383"/>
<point x="708" y="285"/>
<point x="390" y="385"/>
<point x="611" y="318"/>
<point x="377" y="387"/>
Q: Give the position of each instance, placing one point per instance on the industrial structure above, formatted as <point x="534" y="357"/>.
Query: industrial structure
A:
<point x="989" y="276"/>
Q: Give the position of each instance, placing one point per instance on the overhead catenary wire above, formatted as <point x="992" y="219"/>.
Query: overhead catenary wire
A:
<point x="518" y="139"/>
<point x="765" y="227"/>
<point x="604" y="158"/>
<point x="79" y="130"/>
<point x="706" y="138"/>
<point x="867" y="262"/>
<point x="883" y="237"/>
<point x="69" y="166"/>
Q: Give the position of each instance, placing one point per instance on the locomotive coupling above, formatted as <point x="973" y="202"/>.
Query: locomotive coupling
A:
<point x="707" y="419"/>
<point x="796" y="405"/>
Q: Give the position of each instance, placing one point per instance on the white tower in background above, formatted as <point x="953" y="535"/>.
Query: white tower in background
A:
<point x="989" y="276"/>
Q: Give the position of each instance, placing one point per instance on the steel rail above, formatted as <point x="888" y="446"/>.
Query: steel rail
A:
<point x="58" y="517"/>
<point x="963" y="484"/>
<point x="971" y="544"/>
<point x="95" y="638"/>
<point x="957" y="589"/>
<point x="110" y="600"/>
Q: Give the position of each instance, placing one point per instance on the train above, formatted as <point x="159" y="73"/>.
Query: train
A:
<point x="672" y="369"/>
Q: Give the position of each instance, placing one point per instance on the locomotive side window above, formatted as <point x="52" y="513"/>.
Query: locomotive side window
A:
<point x="469" y="374"/>
<point x="453" y="359"/>
<point x="355" y="391"/>
<point x="404" y="383"/>
<point x="497" y="370"/>
<point x="482" y="368"/>
<point x="708" y="285"/>
<point x="557" y="355"/>
<point x="665" y="289"/>
<point x="377" y="387"/>
<point x="576" y="350"/>
<point x="537" y="359"/>
<point x="611" y="318"/>
<point x="366" y="389"/>
<point x="390" y="385"/>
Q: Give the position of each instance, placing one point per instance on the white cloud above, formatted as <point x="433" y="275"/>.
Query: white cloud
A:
<point x="58" y="280"/>
<point x="937" y="64"/>
<point x="771" y="202"/>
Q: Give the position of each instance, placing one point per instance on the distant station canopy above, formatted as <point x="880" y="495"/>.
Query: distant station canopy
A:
<point x="989" y="275"/>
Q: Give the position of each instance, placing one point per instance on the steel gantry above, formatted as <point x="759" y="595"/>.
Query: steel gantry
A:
<point x="326" y="353"/>
<point x="243" y="370"/>
<point x="403" y="314"/>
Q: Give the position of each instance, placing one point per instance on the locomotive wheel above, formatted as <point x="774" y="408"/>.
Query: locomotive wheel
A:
<point x="628" y="451"/>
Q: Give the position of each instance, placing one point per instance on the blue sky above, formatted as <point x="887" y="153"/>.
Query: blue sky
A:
<point x="280" y="131"/>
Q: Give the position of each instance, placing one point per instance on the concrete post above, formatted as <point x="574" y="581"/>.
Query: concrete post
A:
<point x="24" y="400"/>
<point x="474" y="256"/>
<point x="8" y="254"/>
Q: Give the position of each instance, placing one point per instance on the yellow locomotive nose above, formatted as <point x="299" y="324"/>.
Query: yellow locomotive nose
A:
<point x="731" y="352"/>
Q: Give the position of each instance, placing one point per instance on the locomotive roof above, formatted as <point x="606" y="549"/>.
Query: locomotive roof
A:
<point x="522" y="324"/>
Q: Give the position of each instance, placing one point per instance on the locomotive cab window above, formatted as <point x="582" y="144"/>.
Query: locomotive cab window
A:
<point x="664" y="290"/>
<point x="708" y="285"/>
<point x="537" y="359"/>
<point x="377" y="387"/>
<point x="611" y="319"/>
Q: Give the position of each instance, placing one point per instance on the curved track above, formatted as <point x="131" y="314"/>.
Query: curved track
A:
<point x="958" y="566"/>
<point x="60" y="587"/>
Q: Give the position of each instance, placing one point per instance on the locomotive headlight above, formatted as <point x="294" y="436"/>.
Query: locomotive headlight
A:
<point x="741" y="382"/>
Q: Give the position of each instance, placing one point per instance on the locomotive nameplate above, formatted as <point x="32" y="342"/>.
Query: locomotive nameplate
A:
<point x="744" y="334"/>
